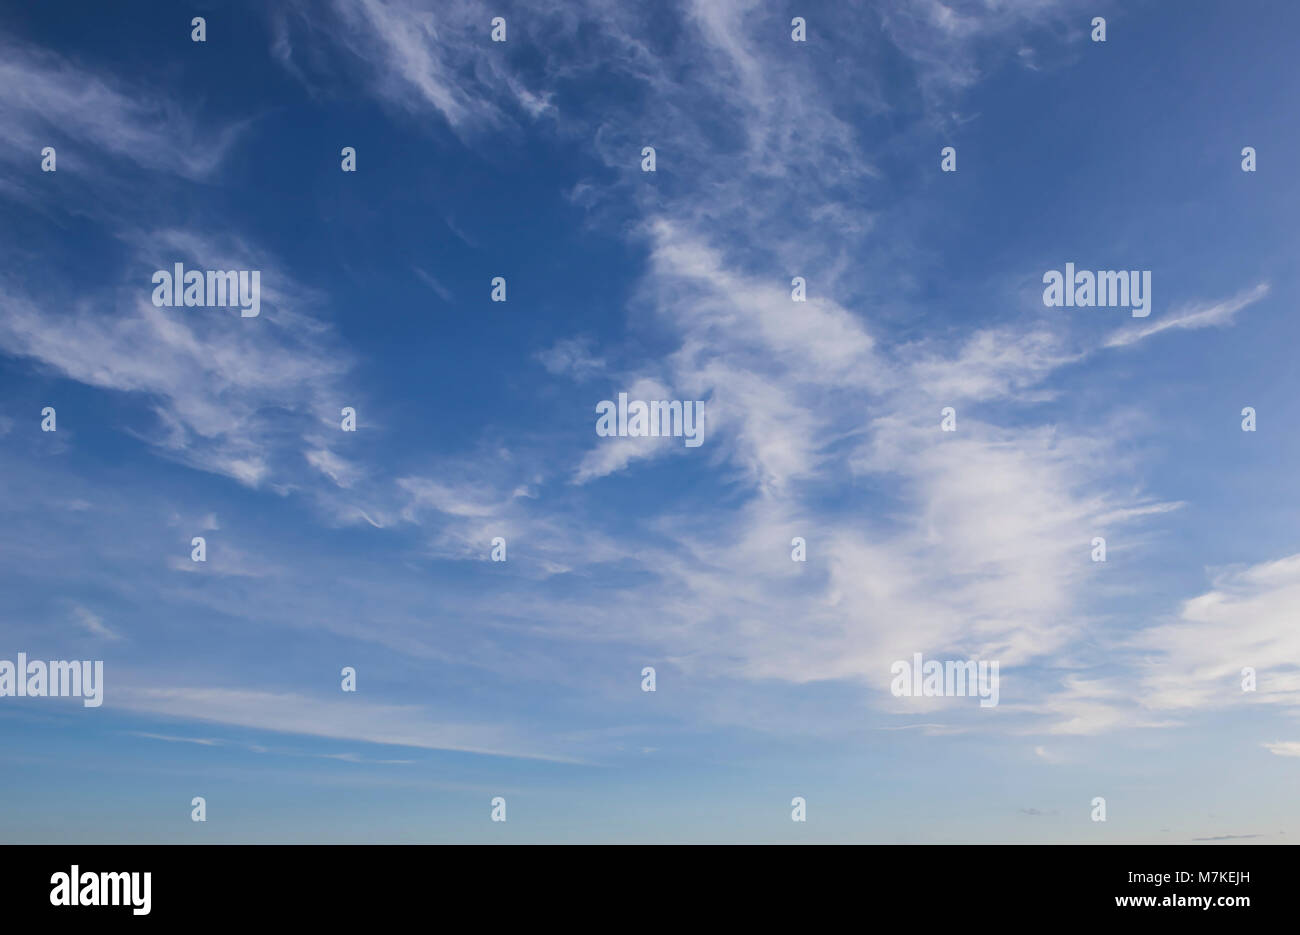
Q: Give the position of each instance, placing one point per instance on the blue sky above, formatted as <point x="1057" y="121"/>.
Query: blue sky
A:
<point x="476" y="418"/>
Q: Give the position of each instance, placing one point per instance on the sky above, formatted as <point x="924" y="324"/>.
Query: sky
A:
<point x="475" y="419"/>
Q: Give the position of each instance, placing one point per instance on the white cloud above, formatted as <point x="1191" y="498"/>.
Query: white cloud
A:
<point x="350" y="719"/>
<point x="572" y="357"/>
<point x="206" y="373"/>
<point x="201" y="741"/>
<point x="94" y="624"/>
<point x="1216" y="314"/>
<point x="45" y="99"/>
<point x="948" y="41"/>
<point x="1247" y="619"/>
<point x="443" y="292"/>
<point x="984" y="546"/>
<point x="337" y="469"/>
<point x="420" y="60"/>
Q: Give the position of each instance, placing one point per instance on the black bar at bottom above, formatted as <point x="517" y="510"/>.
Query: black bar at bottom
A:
<point x="639" y="886"/>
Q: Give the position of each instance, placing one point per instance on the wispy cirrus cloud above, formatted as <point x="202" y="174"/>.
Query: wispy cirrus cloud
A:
<point x="45" y="99"/>
<point x="418" y="57"/>
<point x="947" y="40"/>
<point x="94" y="624"/>
<point x="205" y="376"/>
<point x="351" y="719"/>
<point x="1245" y="620"/>
<point x="1205" y="315"/>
